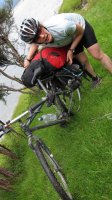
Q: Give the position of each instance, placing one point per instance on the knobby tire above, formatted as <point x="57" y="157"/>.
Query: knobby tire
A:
<point x="49" y="172"/>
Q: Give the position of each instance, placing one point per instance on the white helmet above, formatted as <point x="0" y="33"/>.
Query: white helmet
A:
<point x="29" y="30"/>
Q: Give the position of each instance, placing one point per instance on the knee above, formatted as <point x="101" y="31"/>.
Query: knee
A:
<point x="83" y="60"/>
<point x="98" y="55"/>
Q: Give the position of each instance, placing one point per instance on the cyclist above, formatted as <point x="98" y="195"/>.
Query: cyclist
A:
<point x="66" y="29"/>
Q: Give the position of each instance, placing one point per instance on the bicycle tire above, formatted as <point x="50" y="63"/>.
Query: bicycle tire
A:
<point x="40" y="153"/>
<point x="60" y="104"/>
<point x="64" y="104"/>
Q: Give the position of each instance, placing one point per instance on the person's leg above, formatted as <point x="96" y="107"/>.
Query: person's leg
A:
<point x="82" y="57"/>
<point x="98" y="54"/>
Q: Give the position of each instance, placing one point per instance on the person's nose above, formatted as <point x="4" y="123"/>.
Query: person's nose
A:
<point x="41" y="36"/>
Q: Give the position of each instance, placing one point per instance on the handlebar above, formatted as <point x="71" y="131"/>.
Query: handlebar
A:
<point x="4" y="129"/>
<point x="1" y="128"/>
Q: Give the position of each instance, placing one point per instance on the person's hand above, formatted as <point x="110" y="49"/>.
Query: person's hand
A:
<point x="70" y="56"/>
<point x="26" y="63"/>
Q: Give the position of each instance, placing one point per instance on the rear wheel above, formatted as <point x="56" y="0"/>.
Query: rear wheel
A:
<point x="68" y="102"/>
<point x="52" y="170"/>
<point x="61" y="105"/>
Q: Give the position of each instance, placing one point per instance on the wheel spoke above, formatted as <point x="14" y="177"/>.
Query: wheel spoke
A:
<point x="52" y="170"/>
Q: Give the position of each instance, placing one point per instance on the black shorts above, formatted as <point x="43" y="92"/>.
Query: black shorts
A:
<point x="88" y="39"/>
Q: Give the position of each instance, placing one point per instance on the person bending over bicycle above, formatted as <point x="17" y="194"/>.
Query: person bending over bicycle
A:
<point x="61" y="30"/>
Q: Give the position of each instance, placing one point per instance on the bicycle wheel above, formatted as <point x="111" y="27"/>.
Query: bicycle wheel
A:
<point x="52" y="170"/>
<point x="65" y="103"/>
<point x="60" y="105"/>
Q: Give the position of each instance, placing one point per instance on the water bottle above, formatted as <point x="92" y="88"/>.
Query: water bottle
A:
<point x="48" y="118"/>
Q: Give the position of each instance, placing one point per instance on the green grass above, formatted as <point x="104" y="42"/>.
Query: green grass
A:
<point x="84" y="147"/>
<point x="69" y="6"/>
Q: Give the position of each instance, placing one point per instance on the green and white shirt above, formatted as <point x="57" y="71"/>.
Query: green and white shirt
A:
<point x="63" y="28"/>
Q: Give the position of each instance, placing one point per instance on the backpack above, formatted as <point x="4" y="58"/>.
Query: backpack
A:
<point x="45" y="61"/>
<point x="52" y="57"/>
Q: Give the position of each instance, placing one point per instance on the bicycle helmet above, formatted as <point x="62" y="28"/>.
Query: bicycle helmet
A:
<point x="29" y="30"/>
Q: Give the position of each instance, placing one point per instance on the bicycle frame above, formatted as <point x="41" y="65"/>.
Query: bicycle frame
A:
<point x="35" y="142"/>
<point x="54" y="90"/>
<point x="33" y="111"/>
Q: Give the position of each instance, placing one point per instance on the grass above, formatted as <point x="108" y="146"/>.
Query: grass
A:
<point x="84" y="147"/>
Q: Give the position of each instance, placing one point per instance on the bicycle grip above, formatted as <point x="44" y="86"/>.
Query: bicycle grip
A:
<point x="1" y="128"/>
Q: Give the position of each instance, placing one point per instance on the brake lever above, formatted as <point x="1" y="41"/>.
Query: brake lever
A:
<point x="1" y="122"/>
<point x="4" y="130"/>
<point x="1" y="135"/>
<point x="1" y="128"/>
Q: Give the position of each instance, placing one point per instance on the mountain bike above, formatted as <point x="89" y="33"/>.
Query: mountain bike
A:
<point x="45" y="156"/>
<point x="59" y="89"/>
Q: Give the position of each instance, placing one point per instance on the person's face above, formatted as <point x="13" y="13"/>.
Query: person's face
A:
<point x="44" y="36"/>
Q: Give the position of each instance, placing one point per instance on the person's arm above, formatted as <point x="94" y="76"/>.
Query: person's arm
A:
<point x="30" y="55"/>
<point x="77" y="38"/>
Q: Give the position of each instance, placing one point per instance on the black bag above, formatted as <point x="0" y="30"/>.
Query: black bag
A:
<point x="37" y="69"/>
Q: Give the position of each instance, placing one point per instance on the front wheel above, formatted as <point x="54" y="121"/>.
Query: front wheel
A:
<point x="52" y="170"/>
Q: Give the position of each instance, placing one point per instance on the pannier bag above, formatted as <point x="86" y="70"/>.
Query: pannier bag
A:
<point x="47" y="60"/>
<point x="43" y="63"/>
<point x="55" y="57"/>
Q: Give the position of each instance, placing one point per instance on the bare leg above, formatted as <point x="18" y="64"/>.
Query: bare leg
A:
<point x="98" y="54"/>
<point x="82" y="57"/>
